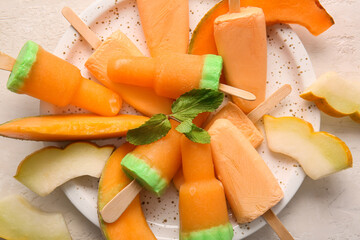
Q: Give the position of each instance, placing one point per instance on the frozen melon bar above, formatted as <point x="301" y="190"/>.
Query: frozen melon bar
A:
<point x="165" y="24"/>
<point x="170" y="75"/>
<point x="142" y="99"/>
<point x="42" y="75"/>
<point x="237" y="117"/>
<point x="250" y="187"/>
<point x="241" y="41"/>
<point x="155" y="164"/>
<point x="202" y="204"/>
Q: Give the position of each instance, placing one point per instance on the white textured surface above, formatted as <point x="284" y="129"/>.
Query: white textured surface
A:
<point x="325" y="209"/>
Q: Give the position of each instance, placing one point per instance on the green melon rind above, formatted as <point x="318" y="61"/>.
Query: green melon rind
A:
<point x="148" y="177"/>
<point x="22" y="66"/>
<point x="222" y="232"/>
<point x="211" y="72"/>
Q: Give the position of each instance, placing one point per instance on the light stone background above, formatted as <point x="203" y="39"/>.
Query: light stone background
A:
<point x="325" y="209"/>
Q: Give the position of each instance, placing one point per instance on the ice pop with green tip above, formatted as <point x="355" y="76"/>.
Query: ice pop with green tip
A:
<point x="155" y="164"/>
<point x="169" y="75"/>
<point x="42" y="75"/>
<point x="202" y="204"/>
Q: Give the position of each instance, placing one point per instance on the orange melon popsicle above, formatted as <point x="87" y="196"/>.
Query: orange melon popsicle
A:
<point x="202" y="204"/>
<point x="142" y="99"/>
<point x="155" y="164"/>
<point x="42" y="75"/>
<point x="241" y="41"/>
<point x="250" y="187"/>
<point x="170" y="75"/>
<point x="165" y="24"/>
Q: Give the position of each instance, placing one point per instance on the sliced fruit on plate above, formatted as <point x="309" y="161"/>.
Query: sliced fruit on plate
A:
<point x="132" y="224"/>
<point x="50" y="167"/>
<point x="308" y="13"/>
<point x="70" y="127"/>
<point x="335" y="96"/>
<point x="319" y="153"/>
<point x="20" y="220"/>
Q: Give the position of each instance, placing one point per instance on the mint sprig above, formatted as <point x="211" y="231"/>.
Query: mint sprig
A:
<point x="152" y="130"/>
<point x="196" y="101"/>
<point x="184" y="110"/>
<point x="193" y="132"/>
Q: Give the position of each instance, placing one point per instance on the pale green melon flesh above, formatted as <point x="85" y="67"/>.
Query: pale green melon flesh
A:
<point x="211" y="72"/>
<point x="22" y="66"/>
<point x="341" y="94"/>
<point x="148" y="177"/>
<point x="50" y="167"/>
<point x="222" y="232"/>
<point x="20" y="220"/>
<point x="319" y="154"/>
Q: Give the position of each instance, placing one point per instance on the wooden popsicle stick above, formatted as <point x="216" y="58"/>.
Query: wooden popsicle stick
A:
<point x="266" y="106"/>
<point x="237" y="92"/>
<point x="113" y="209"/>
<point x="234" y="6"/>
<point x="6" y="62"/>
<point x="277" y="225"/>
<point x="94" y="41"/>
<point x="81" y="27"/>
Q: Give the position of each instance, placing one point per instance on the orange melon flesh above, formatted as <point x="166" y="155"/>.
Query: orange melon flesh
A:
<point x="241" y="41"/>
<point x="250" y="187"/>
<point x="70" y="127"/>
<point x="308" y="13"/>
<point x="165" y="24"/>
<point x="142" y="99"/>
<point x="155" y="164"/>
<point x="237" y="117"/>
<point x="192" y="71"/>
<point x="132" y="224"/>
<point x="56" y="81"/>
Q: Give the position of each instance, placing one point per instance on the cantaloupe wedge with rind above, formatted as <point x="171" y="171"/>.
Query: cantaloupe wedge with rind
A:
<point x="319" y="153"/>
<point x="335" y="96"/>
<point x="131" y="225"/>
<point x="19" y="221"/>
<point x="308" y="13"/>
<point x="70" y="127"/>
<point x="50" y="167"/>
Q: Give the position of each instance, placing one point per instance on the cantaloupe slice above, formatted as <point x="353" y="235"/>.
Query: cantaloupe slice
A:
<point x="308" y="13"/>
<point x="50" y="167"/>
<point x="319" y="153"/>
<point x="70" y="127"/>
<point x="335" y="96"/>
<point x="132" y="224"/>
<point x="142" y="99"/>
<point x="19" y="221"/>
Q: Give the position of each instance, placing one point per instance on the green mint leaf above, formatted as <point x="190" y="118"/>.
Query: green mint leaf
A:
<point x="196" y="101"/>
<point x="152" y="130"/>
<point x="192" y="132"/>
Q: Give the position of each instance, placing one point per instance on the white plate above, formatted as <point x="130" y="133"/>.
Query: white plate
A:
<point x="288" y="62"/>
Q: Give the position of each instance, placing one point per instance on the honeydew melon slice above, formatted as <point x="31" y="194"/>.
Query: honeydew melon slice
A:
<point x="319" y="153"/>
<point x="335" y="96"/>
<point x="19" y="220"/>
<point x="50" y="167"/>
